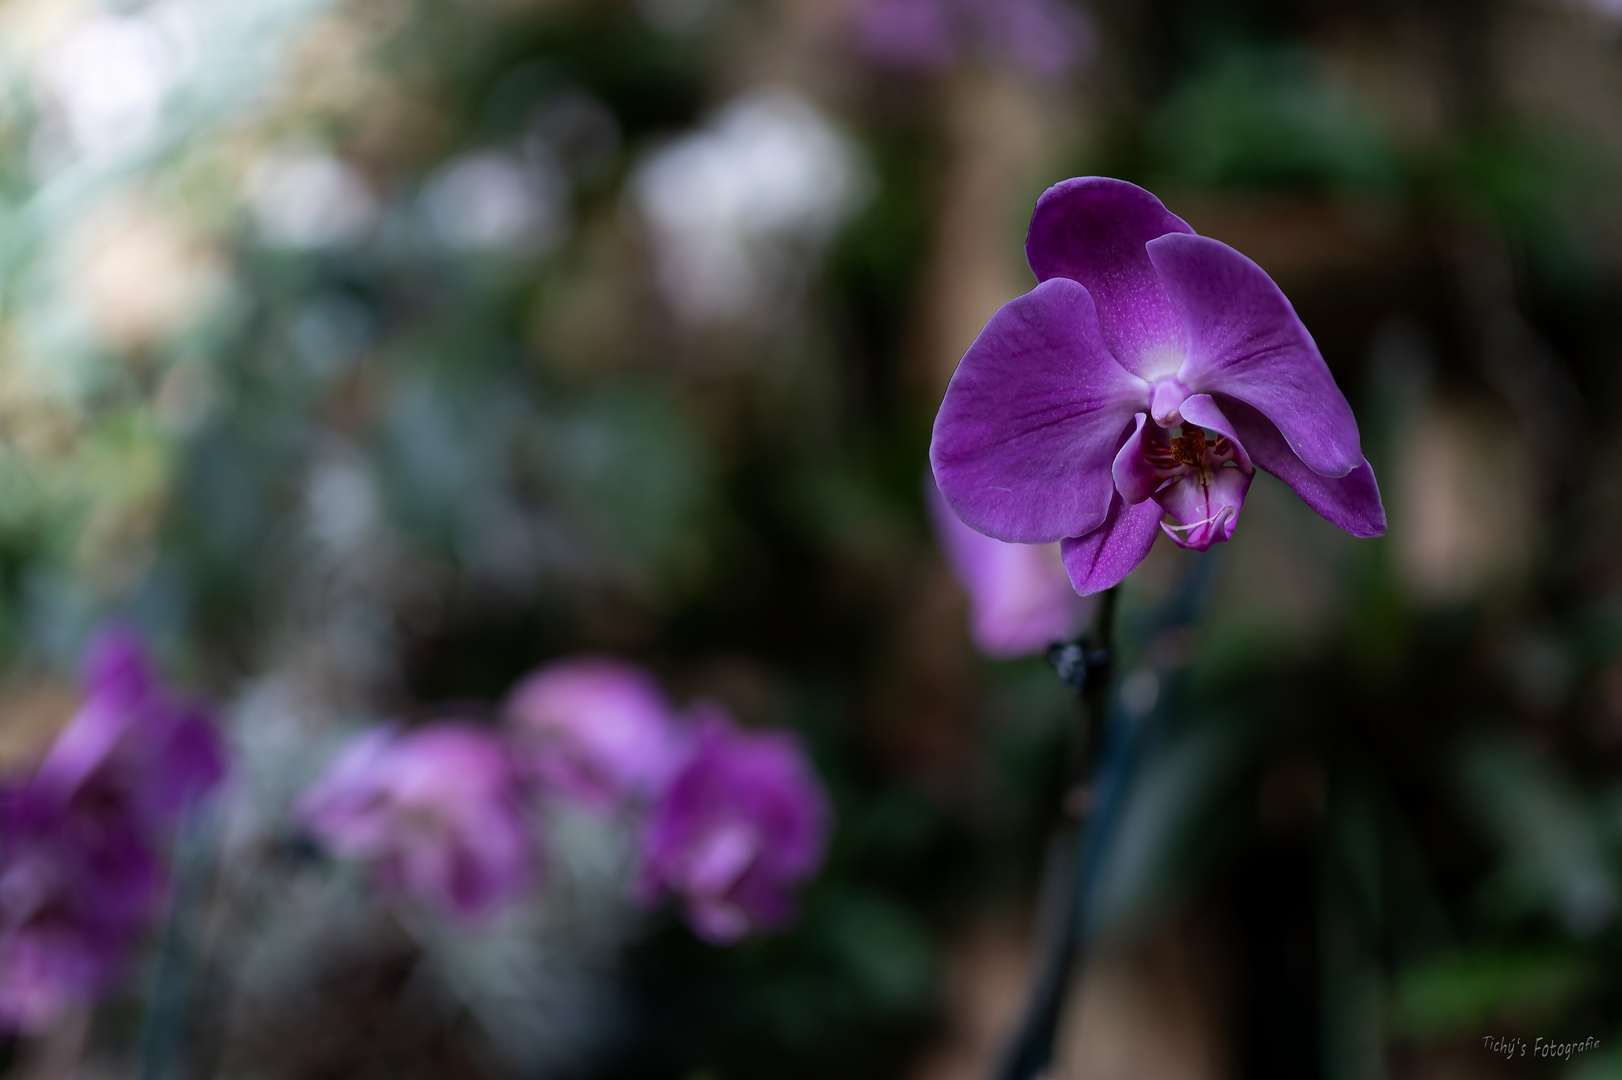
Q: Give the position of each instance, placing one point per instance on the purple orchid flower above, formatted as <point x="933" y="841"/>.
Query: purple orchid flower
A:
<point x="1020" y="599"/>
<point x="741" y="826"/>
<point x="81" y="839"/>
<point x="434" y="811"/>
<point x="79" y="884"/>
<point x="596" y="730"/>
<point x="133" y="741"/>
<point x="1057" y="425"/>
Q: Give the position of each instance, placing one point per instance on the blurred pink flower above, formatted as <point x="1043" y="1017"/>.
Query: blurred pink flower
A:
<point x="594" y="729"/>
<point x="79" y="884"/>
<point x="1020" y="597"/>
<point x="82" y="839"/>
<point x="434" y="811"/>
<point x="916" y="35"/>
<point x="1047" y="38"/>
<point x="133" y="741"/>
<point x="741" y="826"/>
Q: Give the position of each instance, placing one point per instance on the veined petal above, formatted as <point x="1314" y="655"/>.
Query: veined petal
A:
<point x="1351" y="502"/>
<point x="1106" y="555"/>
<point x="1245" y="341"/>
<point x="1032" y="418"/>
<point x="1135" y="477"/>
<point x="1206" y="505"/>
<point x="1202" y="410"/>
<point x="1093" y="230"/>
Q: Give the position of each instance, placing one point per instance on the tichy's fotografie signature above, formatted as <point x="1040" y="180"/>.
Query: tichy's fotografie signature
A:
<point x="1510" y="1046"/>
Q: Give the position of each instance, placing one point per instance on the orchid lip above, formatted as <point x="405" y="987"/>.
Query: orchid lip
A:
<point x="1215" y="522"/>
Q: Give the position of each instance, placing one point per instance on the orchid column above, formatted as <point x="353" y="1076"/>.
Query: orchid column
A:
<point x="1135" y="391"/>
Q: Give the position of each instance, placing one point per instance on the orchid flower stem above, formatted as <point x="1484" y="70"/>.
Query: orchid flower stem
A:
<point x="1110" y="752"/>
<point x="1085" y="665"/>
<point x="163" y="1027"/>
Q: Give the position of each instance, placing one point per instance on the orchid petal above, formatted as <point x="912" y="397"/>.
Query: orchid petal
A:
<point x="1104" y="557"/>
<point x="1093" y="230"/>
<point x="435" y="811"/>
<point x="595" y="730"/>
<point x="1245" y="341"/>
<point x="1134" y="477"/>
<point x="1032" y="419"/>
<point x="1020" y="600"/>
<point x="1202" y="410"/>
<point x="741" y="826"/>
<point x="1351" y="502"/>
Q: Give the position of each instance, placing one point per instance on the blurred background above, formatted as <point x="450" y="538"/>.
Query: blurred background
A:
<point x="366" y="354"/>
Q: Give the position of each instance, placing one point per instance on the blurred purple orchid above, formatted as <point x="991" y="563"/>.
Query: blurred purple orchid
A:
<point x="1047" y="38"/>
<point x="741" y="826"/>
<point x="79" y="884"/>
<point x="1057" y="423"/>
<point x="595" y="730"/>
<point x="1020" y="599"/>
<point x="82" y="839"/>
<point x="434" y="811"/>
<point x="133" y="742"/>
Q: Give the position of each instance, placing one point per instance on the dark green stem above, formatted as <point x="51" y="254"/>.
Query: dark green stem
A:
<point x="1085" y="665"/>
<point x="1108" y="751"/>
<point x="163" y="1027"/>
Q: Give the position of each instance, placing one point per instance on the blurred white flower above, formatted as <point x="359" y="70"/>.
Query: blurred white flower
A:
<point x="139" y="274"/>
<point x="109" y="77"/>
<point x="492" y="200"/>
<point x="738" y="209"/>
<point x="307" y="199"/>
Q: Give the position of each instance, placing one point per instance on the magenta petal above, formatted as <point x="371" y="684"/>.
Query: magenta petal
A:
<point x="1202" y="410"/>
<point x="80" y="883"/>
<point x="1093" y="230"/>
<point x="738" y="830"/>
<point x="1020" y="599"/>
<point x="1351" y="502"/>
<point x="133" y="736"/>
<point x="1206" y="510"/>
<point x="1032" y="419"/>
<point x="595" y="730"/>
<point x="1048" y="38"/>
<point x="720" y="859"/>
<point x="1245" y="341"/>
<point x="718" y="921"/>
<point x="436" y="811"/>
<point x="1134" y="477"/>
<point x="914" y="35"/>
<point x="1105" y="556"/>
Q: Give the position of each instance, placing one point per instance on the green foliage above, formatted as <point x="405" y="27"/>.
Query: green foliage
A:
<point x="1257" y="118"/>
<point x="1464" y="994"/>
